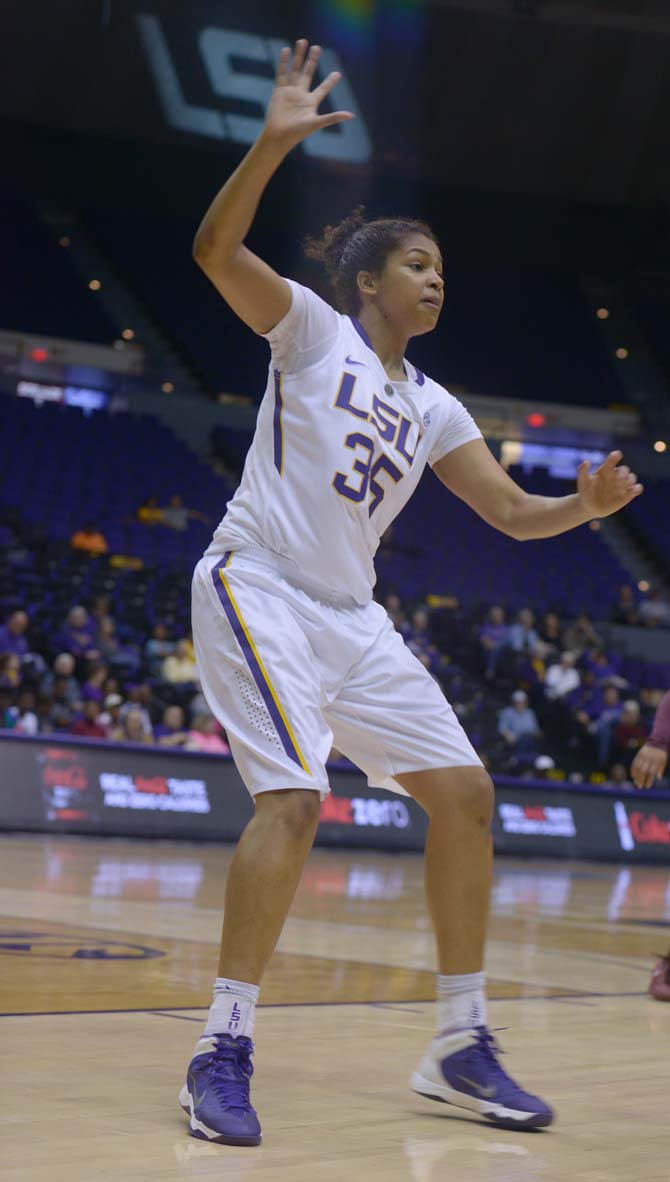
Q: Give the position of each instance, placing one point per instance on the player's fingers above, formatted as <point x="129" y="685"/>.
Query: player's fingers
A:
<point x="299" y="51"/>
<point x="611" y="461"/>
<point x="583" y="475"/>
<point x="324" y="88"/>
<point x="310" y="65"/>
<point x="622" y="471"/>
<point x="331" y="120"/>
<point x="282" y="64"/>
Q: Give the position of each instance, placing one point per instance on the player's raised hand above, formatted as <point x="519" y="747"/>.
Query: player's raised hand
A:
<point x="293" y="110"/>
<point x="648" y="766"/>
<point x="609" y="488"/>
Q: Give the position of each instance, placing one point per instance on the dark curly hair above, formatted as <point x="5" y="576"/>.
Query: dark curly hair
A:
<point x="356" y="244"/>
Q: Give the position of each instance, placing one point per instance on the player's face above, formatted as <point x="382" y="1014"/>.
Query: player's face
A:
<point x="411" y="287"/>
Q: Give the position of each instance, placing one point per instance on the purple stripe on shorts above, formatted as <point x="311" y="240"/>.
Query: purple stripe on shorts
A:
<point x="254" y="667"/>
<point x="278" y="436"/>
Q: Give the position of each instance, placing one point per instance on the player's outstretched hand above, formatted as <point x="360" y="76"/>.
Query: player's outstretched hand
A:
<point x="648" y="766"/>
<point x="293" y="110"/>
<point x="609" y="488"/>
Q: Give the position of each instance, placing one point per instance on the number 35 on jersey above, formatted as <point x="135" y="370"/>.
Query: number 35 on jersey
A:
<point x="388" y="424"/>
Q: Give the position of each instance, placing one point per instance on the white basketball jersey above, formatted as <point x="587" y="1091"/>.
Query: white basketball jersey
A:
<point x="338" y="450"/>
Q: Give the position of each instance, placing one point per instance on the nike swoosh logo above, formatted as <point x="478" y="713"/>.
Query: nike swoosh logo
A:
<point x="350" y="361"/>
<point x="197" y="1099"/>
<point x="485" y="1093"/>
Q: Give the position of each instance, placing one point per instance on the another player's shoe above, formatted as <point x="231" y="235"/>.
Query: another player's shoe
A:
<point x="463" y="1069"/>
<point x="659" y="986"/>
<point x="216" y="1092"/>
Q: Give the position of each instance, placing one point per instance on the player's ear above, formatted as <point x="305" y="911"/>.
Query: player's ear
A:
<point x="367" y="282"/>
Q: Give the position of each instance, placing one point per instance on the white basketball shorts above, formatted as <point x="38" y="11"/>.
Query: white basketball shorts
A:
<point x="289" y="676"/>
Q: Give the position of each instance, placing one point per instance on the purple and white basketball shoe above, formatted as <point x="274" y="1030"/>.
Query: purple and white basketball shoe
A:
<point x="463" y="1069"/>
<point x="216" y="1092"/>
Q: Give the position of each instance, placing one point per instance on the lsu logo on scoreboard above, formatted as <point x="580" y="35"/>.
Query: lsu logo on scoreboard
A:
<point x="240" y="69"/>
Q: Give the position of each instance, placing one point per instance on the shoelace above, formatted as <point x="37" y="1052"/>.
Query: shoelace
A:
<point x="490" y="1048"/>
<point x="229" y="1069"/>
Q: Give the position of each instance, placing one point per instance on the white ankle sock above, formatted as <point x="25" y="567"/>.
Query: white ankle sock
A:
<point x="233" y="1009"/>
<point x="461" y="1002"/>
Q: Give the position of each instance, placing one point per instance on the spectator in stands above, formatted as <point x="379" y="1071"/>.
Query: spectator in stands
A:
<point x="541" y="769"/>
<point x="13" y="637"/>
<point x="651" y="760"/>
<point x="88" y="725"/>
<point x="396" y="612"/>
<point x="562" y="678"/>
<point x="419" y="640"/>
<point x="157" y="648"/>
<point x="603" y="727"/>
<point x="550" y="635"/>
<point x="494" y="638"/>
<point x="629" y="731"/>
<point x="63" y="672"/>
<point x="110" y="717"/>
<point x="171" y="731"/>
<point x="43" y="708"/>
<point x="523" y="636"/>
<point x="618" y="776"/>
<point x="26" y="720"/>
<point x="99" y="609"/>
<point x="205" y="735"/>
<point x="77" y="635"/>
<point x="176" y="516"/>
<point x="603" y="666"/>
<point x="655" y="610"/>
<point x="139" y="697"/>
<point x="62" y="707"/>
<point x="6" y="717"/>
<point x="133" y="728"/>
<point x="625" y="610"/>
<point x="586" y="701"/>
<point x="89" y="540"/>
<point x="93" y="685"/>
<point x="149" y="512"/>
<point x="581" y="635"/>
<point x="519" y="727"/>
<point x="122" y="657"/>
<point x="180" y="668"/>
<point x="10" y="671"/>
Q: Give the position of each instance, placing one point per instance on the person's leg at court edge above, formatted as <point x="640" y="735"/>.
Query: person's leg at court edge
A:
<point x="461" y="1066"/>
<point x="262" y="881"/>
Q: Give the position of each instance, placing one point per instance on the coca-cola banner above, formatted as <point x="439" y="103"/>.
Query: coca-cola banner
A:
<point x="82" y="786"/>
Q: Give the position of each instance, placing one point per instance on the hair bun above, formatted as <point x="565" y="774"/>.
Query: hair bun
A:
<point x="330" y="246"/>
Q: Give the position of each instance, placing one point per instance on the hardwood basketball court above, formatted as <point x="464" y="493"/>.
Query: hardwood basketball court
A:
<point x="109" y="948"/>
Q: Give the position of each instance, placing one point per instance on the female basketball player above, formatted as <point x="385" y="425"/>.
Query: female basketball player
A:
<point x="293" y="653"/>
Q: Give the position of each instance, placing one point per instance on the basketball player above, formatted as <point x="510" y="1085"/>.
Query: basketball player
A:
<point x="649" y="766"/>
<point x="650" y="762"/>
<point x="293" y="653"/>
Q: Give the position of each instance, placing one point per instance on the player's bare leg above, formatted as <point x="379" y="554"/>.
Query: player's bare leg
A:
<point x="458" y="862"/>
<point x="461" y="1065"/>
<point x="263" y="878"/>
<point x="262" y="882"/>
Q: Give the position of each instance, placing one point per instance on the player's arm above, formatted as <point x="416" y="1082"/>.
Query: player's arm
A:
<point x="253" y="290"/>
<point x="474" y="475"/>
<point x="651" y="760"/>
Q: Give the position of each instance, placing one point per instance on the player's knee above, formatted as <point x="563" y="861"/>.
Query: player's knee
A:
<point x="481" y="798"/>
<point x="471" y="796"/>
<point x="296" y="810"/>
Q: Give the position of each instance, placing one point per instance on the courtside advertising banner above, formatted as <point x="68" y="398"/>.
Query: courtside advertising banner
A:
<point x="80" y="786"/>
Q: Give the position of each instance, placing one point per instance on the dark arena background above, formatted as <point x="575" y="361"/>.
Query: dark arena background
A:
<point x="534" y="136"/>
